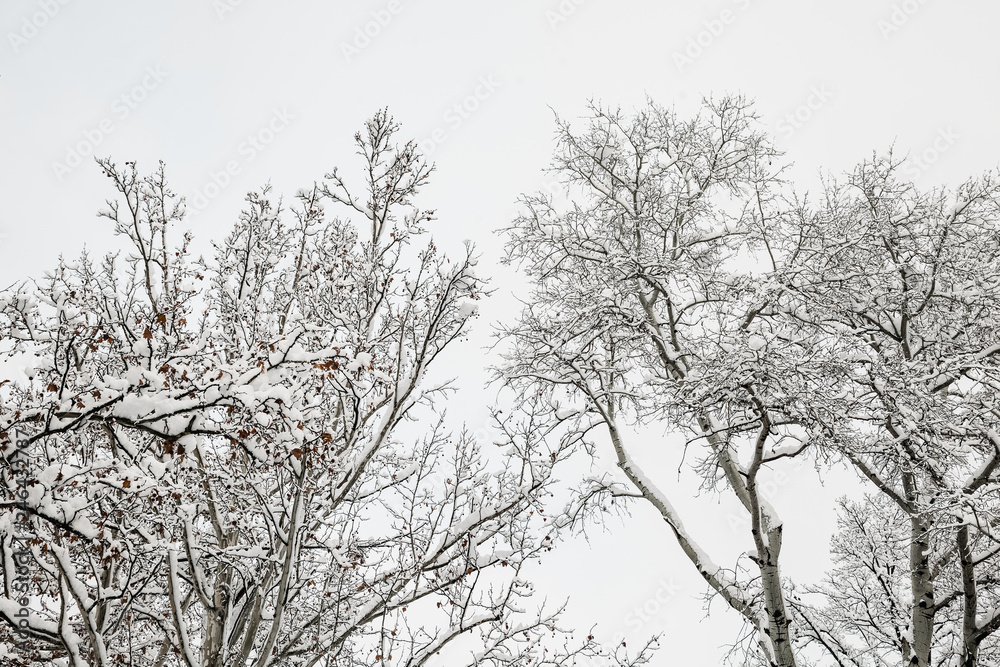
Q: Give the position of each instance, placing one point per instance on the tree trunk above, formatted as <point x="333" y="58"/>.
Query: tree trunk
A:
<point x="777" y="619"/>
<point x="922" y="587"/>
<point x="970" y="641"/>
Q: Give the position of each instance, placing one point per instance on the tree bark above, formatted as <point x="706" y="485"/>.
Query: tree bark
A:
<point x="922" y="587"/>
<point x="970" y="639"/>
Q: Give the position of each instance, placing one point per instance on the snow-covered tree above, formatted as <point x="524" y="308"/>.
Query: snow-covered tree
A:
<point x="902" y="286"/>
<point x="678" y="285"/>
<point x="243" y="460"/>
<point x="643" y="312"/>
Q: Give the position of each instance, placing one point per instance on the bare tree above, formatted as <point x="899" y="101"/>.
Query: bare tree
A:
<point x="641" y="313"/>
<point x="902" y="286"/>
<point x="680" y="286"/>
<point x="211" y="462"/>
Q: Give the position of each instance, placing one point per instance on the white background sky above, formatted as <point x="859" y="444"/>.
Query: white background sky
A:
<point x="875" y="72"/>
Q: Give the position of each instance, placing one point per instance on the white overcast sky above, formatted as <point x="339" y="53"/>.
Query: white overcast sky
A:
<point x="188" y="81"/>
